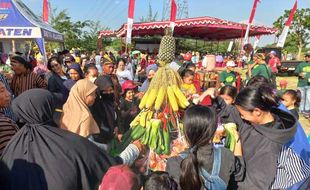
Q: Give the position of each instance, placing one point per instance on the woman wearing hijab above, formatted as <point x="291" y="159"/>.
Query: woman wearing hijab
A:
<point x="150" y="72"/>
<point x="42" y="156"/>
<point x="75" y="73"/>
<point x="8" y="128"/>
<point x="104" y="110"/>
<point x="77" y="117"/>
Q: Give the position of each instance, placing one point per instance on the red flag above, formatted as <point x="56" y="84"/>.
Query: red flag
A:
<point x="246" y="37"/>
<point x="173" y="13"/>
<point x="253" y="11"/>
<point x="131" y="10"/>
<point x="286" y="28"/>
<point x="45" y="11"/>
<point x="291" y="17"/>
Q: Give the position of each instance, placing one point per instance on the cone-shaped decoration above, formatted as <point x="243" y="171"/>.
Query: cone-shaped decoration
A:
<point x="167" y="48"/>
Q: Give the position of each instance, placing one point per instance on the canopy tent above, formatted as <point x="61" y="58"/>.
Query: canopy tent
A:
<point x="17" y="21"/>
<point x="207" y="28"/>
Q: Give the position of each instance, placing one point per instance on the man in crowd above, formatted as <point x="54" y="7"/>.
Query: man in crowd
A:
<point x="303" y="71"/>
<point x="274" y="62"/>
<point x="24" y="79"/>
<point x="108" y="69"/>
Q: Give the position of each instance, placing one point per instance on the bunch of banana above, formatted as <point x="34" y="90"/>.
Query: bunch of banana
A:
<point x="230" y="141"/>
<point x="163" y="89"/>
<point x="142" y="118"/>
<point x="153" y="135"/>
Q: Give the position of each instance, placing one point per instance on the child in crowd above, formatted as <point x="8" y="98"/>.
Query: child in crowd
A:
<point x="188" y="87"/>
<point x="120" y="177"/>
<point x="192" y="168"/>
<point x="291" y="100"/>
<point x="228" y="94"/>
<point x="196" y="79"/>
<point x="128" y="106"/>
<point x="228" y="76"/>
<point x="160" y="181"/>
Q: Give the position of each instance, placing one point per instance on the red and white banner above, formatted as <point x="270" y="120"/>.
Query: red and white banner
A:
<point x="45" y="11"/>
<point x="173" y="14"/>
<point x="257" y="38"/>
<point x="246" y="37"/>
<point x="131" y="10"/>
<point x="286" y="28"/>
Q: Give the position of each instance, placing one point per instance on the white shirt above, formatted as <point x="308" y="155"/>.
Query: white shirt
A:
<point x="123" y="76"/>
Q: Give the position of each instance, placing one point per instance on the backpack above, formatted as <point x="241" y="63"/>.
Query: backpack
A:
<point x="212" y="181"/>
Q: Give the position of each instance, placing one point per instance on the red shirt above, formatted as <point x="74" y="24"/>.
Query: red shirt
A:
<point x="273" y="63"/>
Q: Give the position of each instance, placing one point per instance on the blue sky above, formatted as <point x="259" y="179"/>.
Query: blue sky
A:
<point x="113" y="13"/>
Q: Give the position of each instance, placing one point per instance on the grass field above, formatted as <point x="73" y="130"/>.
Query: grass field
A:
<point x="292" y="84"/>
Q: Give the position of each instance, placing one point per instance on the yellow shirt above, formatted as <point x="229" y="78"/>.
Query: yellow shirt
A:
<point x="78" y="60"/>
<point x="188" y="88"/>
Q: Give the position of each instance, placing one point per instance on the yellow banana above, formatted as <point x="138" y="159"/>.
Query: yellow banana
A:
<point x="149" y="115"/>
<point x="151" y="98"/>
<point x="183" y="102"/>
<point x="172" y="99"/>
<point x="143" y="118"/>
<point x="135" y="121"/>
<point x="160" y="98"/>
<point x="143" y="100"/>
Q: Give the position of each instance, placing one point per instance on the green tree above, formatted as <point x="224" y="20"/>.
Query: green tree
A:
<point x="73" y="31"/>
<point x="299" y="35"/>
<point x="90" y="36"/>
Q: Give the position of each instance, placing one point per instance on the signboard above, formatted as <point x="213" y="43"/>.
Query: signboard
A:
<point x="20" y="32"/>
<point x="52" y="36"/>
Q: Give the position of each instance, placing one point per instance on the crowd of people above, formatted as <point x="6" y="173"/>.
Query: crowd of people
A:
<point x="59" y="117"/>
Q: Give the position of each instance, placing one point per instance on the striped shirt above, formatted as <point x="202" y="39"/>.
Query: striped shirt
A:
<point x="291" y="169"/>
<point x="7" y="130"/>
<point x="26" y="81"/>
<point x="7" y="110"/>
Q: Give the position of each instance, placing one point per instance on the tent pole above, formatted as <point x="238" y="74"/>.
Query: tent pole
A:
<point x="99" y="44"/>
<point x="13" y="46"/>
<point x="241" y="41"/>
<point x="121" y="43"/>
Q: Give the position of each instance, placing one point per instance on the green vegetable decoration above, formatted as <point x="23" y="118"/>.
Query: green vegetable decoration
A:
<point x="230" y="141"/>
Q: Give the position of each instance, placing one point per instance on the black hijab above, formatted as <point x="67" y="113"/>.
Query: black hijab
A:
<point x="42" y="156"/>
<point x="103" y="110"/>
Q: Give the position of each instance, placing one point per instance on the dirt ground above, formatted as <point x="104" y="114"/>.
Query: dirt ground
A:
<point x="292" y="84"/>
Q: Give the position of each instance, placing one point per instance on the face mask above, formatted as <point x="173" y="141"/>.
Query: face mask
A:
<point x="92" y="79"/>
<point x="107" y="96"/>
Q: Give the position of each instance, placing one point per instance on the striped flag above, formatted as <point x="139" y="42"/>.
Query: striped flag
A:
<point x="288" y="23"/>
<point x="45" y="11"/>
<point x="173" y="14"/>
<point x="257" y="38"/>
<point x="246" y="37"/>
<point x="131" y="10"/>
